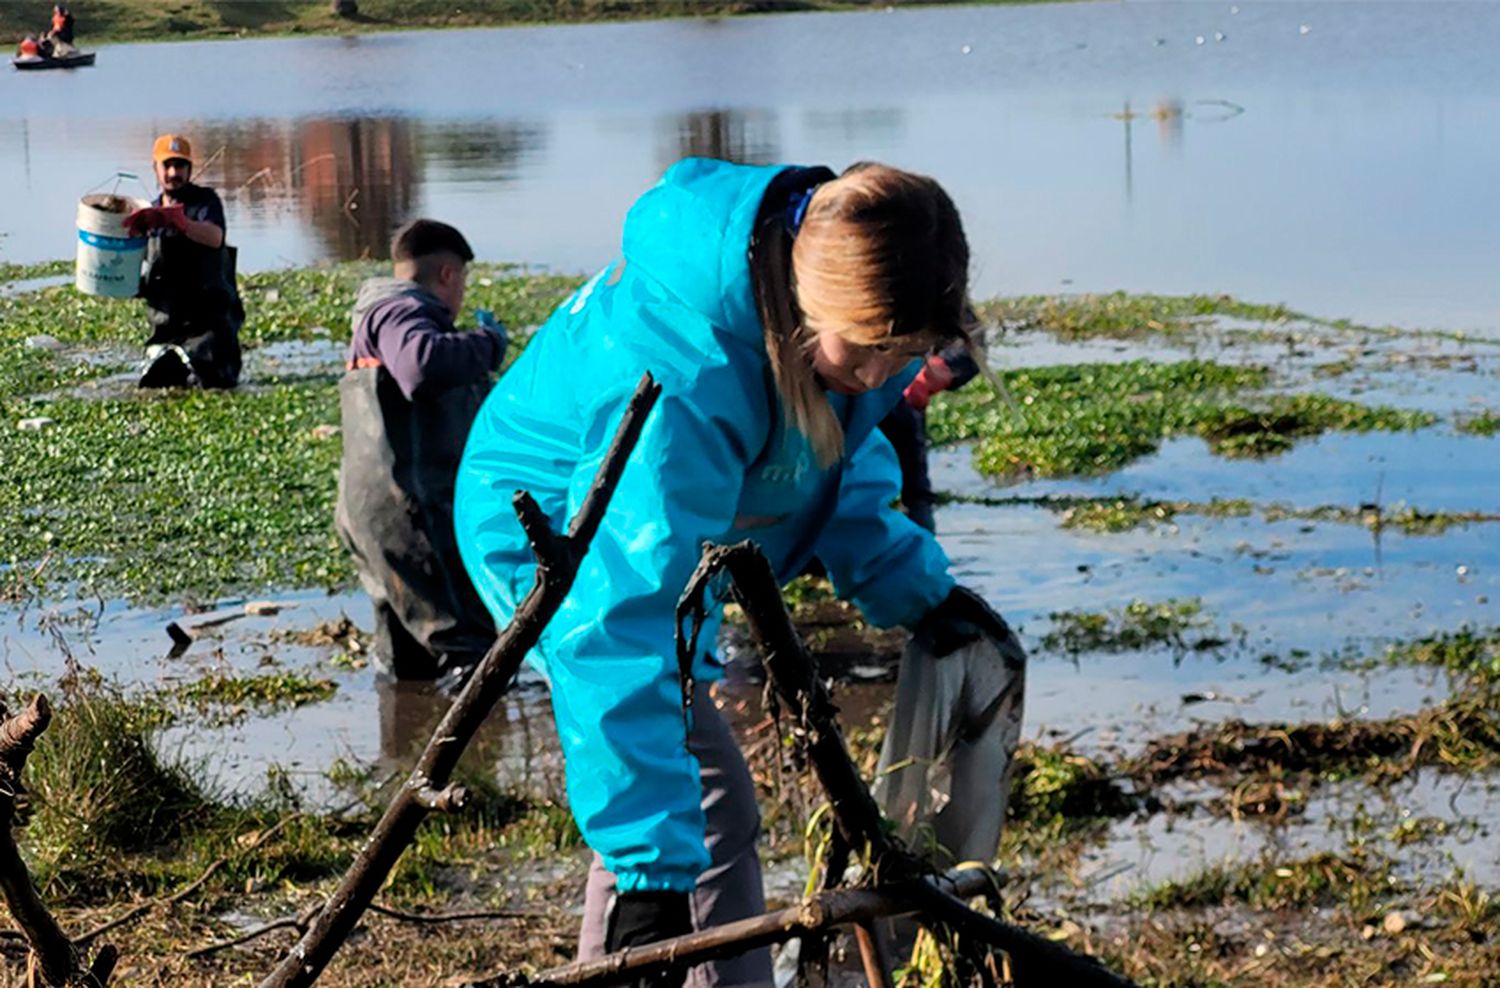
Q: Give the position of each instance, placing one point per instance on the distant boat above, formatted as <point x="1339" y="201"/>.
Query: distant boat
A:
<point x="77" y="59"/>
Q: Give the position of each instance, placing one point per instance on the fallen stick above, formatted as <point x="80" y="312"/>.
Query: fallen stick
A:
<point x="558" y="558"/>
<point x="188" y="889"/>
<point x="55" y="959"/>
<point x="815" y="914"/>
<point x="301" y="922"/>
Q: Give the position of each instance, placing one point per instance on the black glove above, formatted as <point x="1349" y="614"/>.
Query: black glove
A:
<point x="645" y="917"/>
<point x="958" y="621"/>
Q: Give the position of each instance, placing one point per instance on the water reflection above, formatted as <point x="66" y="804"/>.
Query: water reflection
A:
<point x="353" y="181"/>
<point x="517" y="744"/>
<point x="746" y="136"/>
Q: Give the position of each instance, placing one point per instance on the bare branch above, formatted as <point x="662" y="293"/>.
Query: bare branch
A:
<point x="558" y="562"/>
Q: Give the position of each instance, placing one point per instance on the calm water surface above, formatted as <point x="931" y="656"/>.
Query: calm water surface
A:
<point x="1339" y="156"/>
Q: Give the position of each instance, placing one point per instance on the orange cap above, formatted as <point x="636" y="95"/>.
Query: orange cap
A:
<point x="169" y="146"/>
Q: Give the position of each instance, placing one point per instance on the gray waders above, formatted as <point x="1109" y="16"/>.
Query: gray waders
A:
<point x="395" y="514"/>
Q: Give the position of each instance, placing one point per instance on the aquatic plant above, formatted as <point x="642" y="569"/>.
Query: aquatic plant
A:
<point x="1122" y="315"/>
<point x="1056" y="784"/>
<point x="1234" y="430"/>
<point x="1139" y="624"/>
<point x="287" y="688"/>
<point x="1319" y="880"/>
<point x="1467" y="652"/>
<point x="1093" y="418"/>
<point x="152" y="495"/>
<point x="1485" y="423"/>
<point x="1462" y="734"/>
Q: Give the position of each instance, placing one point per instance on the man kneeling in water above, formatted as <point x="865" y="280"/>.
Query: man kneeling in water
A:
<point x="192" y="302"/>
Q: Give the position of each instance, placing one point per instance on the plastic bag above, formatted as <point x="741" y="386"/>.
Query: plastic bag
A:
<point x="945" y="768"/>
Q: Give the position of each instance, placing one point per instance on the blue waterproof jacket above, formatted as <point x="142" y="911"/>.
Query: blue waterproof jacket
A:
<point x="715" y="462"/>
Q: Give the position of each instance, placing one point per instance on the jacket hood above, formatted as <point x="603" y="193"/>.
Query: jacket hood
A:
<point x="377" y="290"/>
<point x="691" y="233"/>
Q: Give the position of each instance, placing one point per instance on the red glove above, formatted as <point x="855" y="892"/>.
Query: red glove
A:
<point x="176" y="217"/>
<point x="141" y="220"/>
<point x="935" y="376"/>
<point x="156" y="217"/>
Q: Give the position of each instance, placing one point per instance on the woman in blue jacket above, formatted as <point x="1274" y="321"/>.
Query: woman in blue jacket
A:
<point x="783" y="310"/>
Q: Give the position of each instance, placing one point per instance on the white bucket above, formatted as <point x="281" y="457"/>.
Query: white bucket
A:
<point x="109" y="258"/>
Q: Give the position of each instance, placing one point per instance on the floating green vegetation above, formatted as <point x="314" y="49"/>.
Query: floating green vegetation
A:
<point x="185" y="492"/>
<point x="1485" y="423"/>
<point x="1125" y="513"/>
<point x="1139" y="624"/>
<point x="1469" y="652"/>
<point x="1093" y="418"/>
<point x="1120" y="514"/>
<point x="314" y="302"/>
<point x="25" y="272"/>
<point x="149" y="495"/>
<point x="1120" y="315"/>
<point x="286" y="688"/>
<point x="1240" y="431"/>
<point x="1323" y="879"/>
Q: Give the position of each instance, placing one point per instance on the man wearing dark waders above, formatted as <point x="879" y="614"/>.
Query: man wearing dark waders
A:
<point x="192" y="302"/>
<point x="413" y="386"/>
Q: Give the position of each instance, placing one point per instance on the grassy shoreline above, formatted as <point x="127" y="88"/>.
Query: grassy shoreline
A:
<point x="103" y="21"/>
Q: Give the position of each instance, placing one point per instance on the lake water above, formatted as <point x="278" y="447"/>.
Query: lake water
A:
<point x="1338" y="156"/>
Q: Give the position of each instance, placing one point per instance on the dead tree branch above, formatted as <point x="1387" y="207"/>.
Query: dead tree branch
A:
<point x="55" y="959"/>
<point x="558" y="558"/>
<point x="188" y="889"/>
<point x="303" y="920"/>
<point x="792" y="673"/>
<point x="814" y="915"/>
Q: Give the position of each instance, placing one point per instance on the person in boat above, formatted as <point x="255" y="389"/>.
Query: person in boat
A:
<point x="783" y="310"/>
<point x="414" y="382"/>
<point x="29" y="47"/>
<point x="60" y="34"/>
<point x="192" y="300"/>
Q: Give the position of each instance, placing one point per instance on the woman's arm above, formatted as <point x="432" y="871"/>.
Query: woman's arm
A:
<point x="891" y="567"/>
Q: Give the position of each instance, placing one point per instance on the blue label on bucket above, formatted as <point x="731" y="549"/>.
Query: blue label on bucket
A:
<point x="111" y="243"/>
